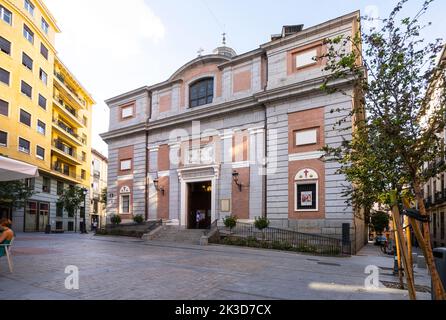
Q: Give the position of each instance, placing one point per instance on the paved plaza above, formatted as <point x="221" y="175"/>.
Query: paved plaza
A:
<point x="125" y="268"/>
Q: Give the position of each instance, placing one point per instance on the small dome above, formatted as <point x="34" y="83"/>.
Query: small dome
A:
<point x="225" y="51"/>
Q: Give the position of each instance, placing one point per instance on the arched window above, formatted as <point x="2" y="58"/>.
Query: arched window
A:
<point x="306" y="190"/>
<point x="201" y="92"/>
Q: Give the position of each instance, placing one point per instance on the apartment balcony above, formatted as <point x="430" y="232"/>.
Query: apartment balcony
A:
<point x="68" y="133"/>
<point x="96" y="174"/>
<point x="62" y="85"/>
<point x="65" y="172"/>
<point x="68" y="111"/>
<point x="67" y="153"/>
<point x="428" y="202"/>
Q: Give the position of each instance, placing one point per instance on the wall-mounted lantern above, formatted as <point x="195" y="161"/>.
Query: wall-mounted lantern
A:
<point x="157" y="187"/>
<point x="235" y="176"/>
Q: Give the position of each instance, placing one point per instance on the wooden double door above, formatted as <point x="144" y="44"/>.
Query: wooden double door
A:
<point x="37" y="216"/>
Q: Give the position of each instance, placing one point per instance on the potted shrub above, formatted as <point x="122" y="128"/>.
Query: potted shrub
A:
<point x="139" y="219"/>
<point x="230" y="222"/>
<point x="115" y="219"/>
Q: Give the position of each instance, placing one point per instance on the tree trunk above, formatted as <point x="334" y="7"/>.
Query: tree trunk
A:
<point x="425" y="244"/>
<point x="404" y="252"/>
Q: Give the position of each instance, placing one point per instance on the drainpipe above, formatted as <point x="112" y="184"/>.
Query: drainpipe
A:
<point x="146" y="154"/>
<point x="265" y="147"/>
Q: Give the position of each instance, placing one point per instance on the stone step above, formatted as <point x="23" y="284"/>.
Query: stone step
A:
<point x="176" y="234"/>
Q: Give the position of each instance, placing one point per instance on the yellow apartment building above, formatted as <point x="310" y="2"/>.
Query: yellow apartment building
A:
<point x="45" y="115"/>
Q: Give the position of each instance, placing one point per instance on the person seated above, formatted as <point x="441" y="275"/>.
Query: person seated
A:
<point x="6" y="234"/>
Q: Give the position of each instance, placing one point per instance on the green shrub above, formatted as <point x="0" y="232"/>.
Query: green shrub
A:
<point x="138" y="219"/>
<point x="115" y="219"/>
<point x="230" y="222"/>
<point x="261" y="223"/>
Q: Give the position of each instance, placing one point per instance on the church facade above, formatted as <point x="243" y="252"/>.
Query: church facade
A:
<point x="239" y="135"/>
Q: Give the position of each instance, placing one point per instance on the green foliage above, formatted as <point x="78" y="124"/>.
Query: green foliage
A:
<point x="116" y="219"/>
<point x="14" y="193"/>
<point x="380" y="221"/>
<point x="261" y="223"/>
<point x="138" y="219"/>
<point x="72" y="198"/>
<point x="398" y="126"/>
<point x="230" y="222"/>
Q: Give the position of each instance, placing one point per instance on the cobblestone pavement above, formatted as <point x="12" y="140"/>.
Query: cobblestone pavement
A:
<point x="124" y="268"/>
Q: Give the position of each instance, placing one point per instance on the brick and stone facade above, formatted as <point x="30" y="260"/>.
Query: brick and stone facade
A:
<point x="255" y="138"/>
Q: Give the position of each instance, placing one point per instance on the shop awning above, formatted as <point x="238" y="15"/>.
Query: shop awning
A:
<point x="11" y="170"/>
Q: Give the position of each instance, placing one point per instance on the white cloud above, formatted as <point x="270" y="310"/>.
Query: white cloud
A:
<point x="103" y="42"/>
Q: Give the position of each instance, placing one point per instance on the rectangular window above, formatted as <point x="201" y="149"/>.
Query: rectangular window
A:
<point x="84" y="120"/>
<point x="127" y="112"/>
<point x="45" y="26"/>
<point x="126" y="165"/>
<point x="125" y="204"/>
<point x="5" y="15"/>
<point x="44" y="51"/>
<point x="4" y="108"/>
<point x="70" y="223"/>
<point x="60" y="187"/>
<point x="83" y="174"/>
<point x="5" y="46"/>
<point x="306" y="196"/>
<point x="4" y="76"/>
<point x="59" y="209"/>
<point x="28" y="34"/>
<point x="27" y="61"/>
<point x="30" y="183"/>
<point x="27" y="89"/>
<point x="41" y="127"/>
<point x="40" y="153"/>
<point x="306" y="58"/>
<point x="3" y="139"/>
<point x="306" y="137"/>
<point x="29" y="7"/>
<point x="24" y="145"/>
<point x="25" y="117"/>
<point x="42" y="101"/>
<point x="46" y="186"/>
<point x="43" y="76"/>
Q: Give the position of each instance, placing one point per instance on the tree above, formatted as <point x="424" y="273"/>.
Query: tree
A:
<point x="15" y="193"/>
<point x="72" y="198"/>
<point x="380" y="221"/>
<point x="398" y="127"/>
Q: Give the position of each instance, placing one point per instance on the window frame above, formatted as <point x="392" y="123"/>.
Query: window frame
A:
<point x="3" y="12"/>
<point x="45" y="76"/>
<point x="9" y="43"/>
<point x="43" y="50"/>
<point x="123" y="161"/>
<point x="7" y="108"/>
<point x="296" y="195"/>
<point x="29" y="7"/>
<point x="21" y="89"/>
<point x="38" y="127"/>
<point x="127" y="106"/>
<point x="48" y="190"/>
<point x="37" y="153"/>
<point x="9" y="77"/>
<point x="43" y="23"/>
<point x="295" y="132"/>
<point x="25" y="113"/>
<point x="6" y="135"/>
<point x="39" y="100"/>
<point x="29" y="146"/>
<point x="29" y="33"/>
<point x="121" y="202"/>
<point x="24" y="57"/>
<point x="197" y="84"/>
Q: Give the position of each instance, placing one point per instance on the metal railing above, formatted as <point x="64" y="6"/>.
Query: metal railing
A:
<point x="68" y="108"/>
<point x="63" y="170"/>
<point x="61" y="78"/>
<point x="67" y="150"/>
<point x="284" y="239"/>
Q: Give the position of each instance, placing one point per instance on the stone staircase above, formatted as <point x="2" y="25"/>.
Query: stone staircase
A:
<point x="170" y="233"/>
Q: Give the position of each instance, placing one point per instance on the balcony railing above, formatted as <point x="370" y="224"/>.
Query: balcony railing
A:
<point x="67" y="150"/>
<point x="68" y="108"/>
<point x="69" y="130"/>
<point x="428" y="202"/>
<point x="61" y="78"/>
<point x="65" y="170"/>
<point x="439" y="197"/>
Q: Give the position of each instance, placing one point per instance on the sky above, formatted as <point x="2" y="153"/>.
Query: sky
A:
<point x="112" y="46"/>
